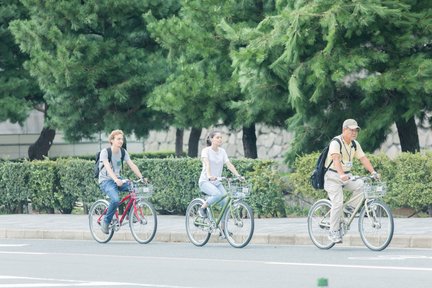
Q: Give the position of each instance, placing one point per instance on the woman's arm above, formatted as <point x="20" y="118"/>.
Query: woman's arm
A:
<point x="233" y="170"/>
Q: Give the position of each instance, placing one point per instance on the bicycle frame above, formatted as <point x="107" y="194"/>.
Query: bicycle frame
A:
<point x="131" y="200"/>
<point x="219" y="218"/>
<point x="357" y="209"/>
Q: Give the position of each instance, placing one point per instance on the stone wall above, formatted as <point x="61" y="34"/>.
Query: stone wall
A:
<point x="272" y="142"/>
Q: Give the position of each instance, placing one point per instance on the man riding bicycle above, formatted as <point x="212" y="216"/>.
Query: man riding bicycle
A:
<point x="110" y="181"/>
<point x="342" y="151"/>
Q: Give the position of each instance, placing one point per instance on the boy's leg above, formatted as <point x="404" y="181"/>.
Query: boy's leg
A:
<point x="109" y="187"/>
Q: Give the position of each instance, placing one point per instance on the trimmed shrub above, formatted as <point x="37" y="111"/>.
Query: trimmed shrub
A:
<point x="14" y="186"/>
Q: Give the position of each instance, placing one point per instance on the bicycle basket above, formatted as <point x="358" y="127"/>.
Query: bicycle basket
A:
<point x="240" y="191"/>
<point x="144" y="191"/>
<point x="375" y="190"/>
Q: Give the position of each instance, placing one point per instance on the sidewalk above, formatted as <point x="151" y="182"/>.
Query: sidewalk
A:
<point x="408" y="233"/>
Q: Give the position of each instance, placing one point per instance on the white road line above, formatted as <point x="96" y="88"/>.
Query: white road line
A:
<point x="13" y="245"/>
<point x="351" y="266"/>
<point x="73" y="283"/>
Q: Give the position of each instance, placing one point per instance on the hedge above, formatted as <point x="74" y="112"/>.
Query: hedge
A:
<point x="53" y="186"/>
<point x="408" y="176"/>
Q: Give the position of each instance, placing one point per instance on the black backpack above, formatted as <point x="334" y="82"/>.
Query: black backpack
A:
<point x="96" y="168"/>
<point x="317" y="177"/>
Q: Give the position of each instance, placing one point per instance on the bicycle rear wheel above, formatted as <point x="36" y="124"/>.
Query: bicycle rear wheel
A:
<point x="143" y="221"/>
<point x="197" y="228"/>
<point x="376" y="227"/>
<point x="319" y="224"/>
<point x="239" y="224"/>
<point x="96" y="215"/>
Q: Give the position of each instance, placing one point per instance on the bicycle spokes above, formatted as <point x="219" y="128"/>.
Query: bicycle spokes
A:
<point x="143" y="221"/>
<point x="376" y="225"/>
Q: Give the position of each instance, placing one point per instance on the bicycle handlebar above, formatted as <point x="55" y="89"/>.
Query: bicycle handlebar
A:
<point x="231" y="179"/>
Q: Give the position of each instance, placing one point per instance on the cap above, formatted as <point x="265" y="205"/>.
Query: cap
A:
<point x="351" y="124"/>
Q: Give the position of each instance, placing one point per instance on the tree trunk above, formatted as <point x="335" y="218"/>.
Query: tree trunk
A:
<point x="179" y="142"/>
<point x="194" y="137"/>
<point x="40" y="148"/>
<point x="249" y="142"/>
<point x="408" y="135"/>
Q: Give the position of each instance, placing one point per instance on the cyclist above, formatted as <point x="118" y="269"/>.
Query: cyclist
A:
<point x="340" y="160"/>
<point x="213" y="158"/>
<point x="110" y="181"/>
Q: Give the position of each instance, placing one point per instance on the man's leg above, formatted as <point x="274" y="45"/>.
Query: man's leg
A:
<point x="357" y="189"/>
<point x="333" y="186"/>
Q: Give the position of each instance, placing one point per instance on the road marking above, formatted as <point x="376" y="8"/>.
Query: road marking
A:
<point x="74" y="283"/>
<point x="13" y="245"/>
<point x="392" y="257"/>
<point x="23" y="253"/>
<point x="351" y="266"/>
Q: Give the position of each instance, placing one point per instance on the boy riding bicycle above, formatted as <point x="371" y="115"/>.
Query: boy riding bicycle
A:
<point x="109" y="180"/>
<point x="339" y="161"/>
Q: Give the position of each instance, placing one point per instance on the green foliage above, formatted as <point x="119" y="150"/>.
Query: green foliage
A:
<point x="325" y="61"/>
<point x="408" y="178"/>
<point x="57" y="185"/>
<point x="410" y="181"/>
<point x="75" y="183"/>
<point x="43" y="186"/>
<point x="267" y="197"/>
<point x="18" y="91"/>
<point x="146" y="155"/>
<point x="95" y="62"/>
<point x="14" y="186"/>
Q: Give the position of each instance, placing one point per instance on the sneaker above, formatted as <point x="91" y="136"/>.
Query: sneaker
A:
<point x="335" y="237"/>
<point x="223" y="236"/>
<point x="104" y="227"/>
<point x="202" y="212"/>
<point x="348" y="210"/>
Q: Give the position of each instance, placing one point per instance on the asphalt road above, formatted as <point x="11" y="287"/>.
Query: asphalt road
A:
<point x="62" y="263"/>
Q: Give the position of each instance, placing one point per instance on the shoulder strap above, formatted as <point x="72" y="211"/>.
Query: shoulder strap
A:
<point x="123" y="154"/>
<point x="340" y="144"/>
<point x="354" y="144"/>
<point x="109" y="154"/>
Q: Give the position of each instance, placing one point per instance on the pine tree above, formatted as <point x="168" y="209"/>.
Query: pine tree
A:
<point x="95" y="62"/>
<point x="332" y="60"/>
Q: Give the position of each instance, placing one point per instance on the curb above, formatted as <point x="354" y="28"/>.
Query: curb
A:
<point x="398" y="241"/>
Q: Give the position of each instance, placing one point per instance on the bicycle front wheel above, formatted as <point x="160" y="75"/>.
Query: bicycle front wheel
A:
<point x="143" y="221"/>
<point x="96" y="214"/>
<point x="239" y="224"/>
<point x="319" y="224"/>
<point x="376" y="225"/>
<point x="197" y="228"/>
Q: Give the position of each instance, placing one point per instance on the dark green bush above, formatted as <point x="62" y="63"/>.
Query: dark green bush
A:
<point x="410" y="181"/>
<point x="14" y="186"/>
<point x="58" y="185"/>
<point x="408" y="177"/>
<point x="44" y="186"/>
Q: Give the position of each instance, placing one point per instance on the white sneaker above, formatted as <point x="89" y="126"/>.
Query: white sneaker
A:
<point x="335" y="237"/>
<point x="202" y="212"/>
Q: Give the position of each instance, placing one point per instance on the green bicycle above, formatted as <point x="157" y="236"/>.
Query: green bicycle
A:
<point x="235" y="220"/>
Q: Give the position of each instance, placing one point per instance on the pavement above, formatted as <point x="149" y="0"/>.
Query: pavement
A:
<point x="408" y="233"/>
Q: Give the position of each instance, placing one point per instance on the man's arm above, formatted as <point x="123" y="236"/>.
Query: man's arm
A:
<point x="367" y="165"/>
<point x="338" y="166"/>
<point x="134" y="169"/>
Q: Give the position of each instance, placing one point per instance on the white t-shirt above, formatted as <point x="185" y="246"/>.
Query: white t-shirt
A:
<point x="217" y="161"/>
<point x="115" y="164"/>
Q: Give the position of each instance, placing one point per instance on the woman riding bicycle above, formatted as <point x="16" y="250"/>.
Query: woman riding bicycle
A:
<point x="110" y="181"/>
<point x="213" y="158"/>
<point x="342" y="151"/>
